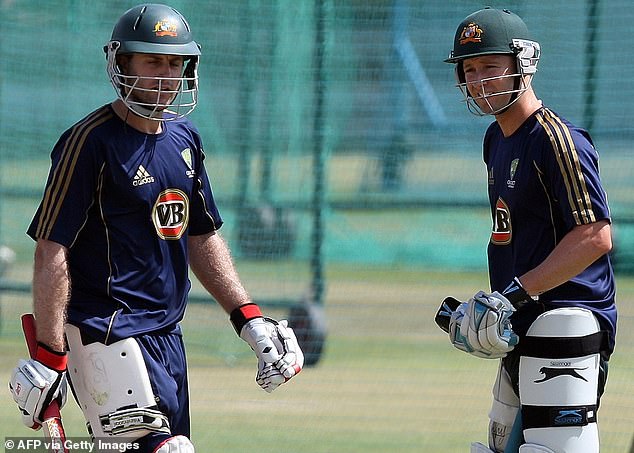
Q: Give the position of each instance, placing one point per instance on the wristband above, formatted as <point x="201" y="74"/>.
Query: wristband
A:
<point x="243" y="314"/>
<point x="53" y="359"/>
<point x="516" y="294"/>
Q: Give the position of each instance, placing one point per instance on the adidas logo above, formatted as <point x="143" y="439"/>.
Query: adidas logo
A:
<point x="142" y="177"/>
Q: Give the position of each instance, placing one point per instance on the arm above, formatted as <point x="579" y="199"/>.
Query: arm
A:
<point x="480" y="326"/>
<point x="210" y="260"/>
<point x="275" y="345"/>
<point x="36" y="382"/>
<point x="51" y="289"/>
<point x="582" y="246"/>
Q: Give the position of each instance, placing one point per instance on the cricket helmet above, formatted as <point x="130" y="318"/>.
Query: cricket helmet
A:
<point x="154" y="29"/>
<point x="492" y="31"/>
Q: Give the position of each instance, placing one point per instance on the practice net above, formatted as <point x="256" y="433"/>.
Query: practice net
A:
<point x="350" y="178"/>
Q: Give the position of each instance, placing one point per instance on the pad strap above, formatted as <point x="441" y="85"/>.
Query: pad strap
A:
<point x="126" y="421"/>
<point x="550" y="416"/>
<point x="243" y="314"/>
<point x="563" y="347"/>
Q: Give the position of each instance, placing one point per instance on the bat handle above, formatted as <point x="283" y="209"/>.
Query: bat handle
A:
<point x="51" y="416"/>
<point x="28" y="326"/>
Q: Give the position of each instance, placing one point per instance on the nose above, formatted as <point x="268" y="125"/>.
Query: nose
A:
<point x="476" y="85"/>
<point x="167" y="70"/>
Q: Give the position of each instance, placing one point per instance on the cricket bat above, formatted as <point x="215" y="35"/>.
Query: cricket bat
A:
<point x="52" y="419"/>
<point x="443" y="315"/>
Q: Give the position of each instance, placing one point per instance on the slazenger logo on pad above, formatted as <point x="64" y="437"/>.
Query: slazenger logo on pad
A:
<point x="170" y="214"/>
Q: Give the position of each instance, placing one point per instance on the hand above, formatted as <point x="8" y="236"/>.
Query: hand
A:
<point x="457" y="339"/>
<point x="486" y="325"/>
<point x="275" y="345"/>
<point x="455" y="322"/>
<point x="34" y="385"/>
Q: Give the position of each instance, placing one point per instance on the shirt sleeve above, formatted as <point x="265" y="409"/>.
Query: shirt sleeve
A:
<point x="76" y="168"/>
<point x="574" y="173"/>
<point x="204" y="214"/>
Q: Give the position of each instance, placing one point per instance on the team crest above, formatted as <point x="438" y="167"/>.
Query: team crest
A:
<point x="186" y="154"/>
<point x="170" y="214"/>
<point x="510" y="183"/>
<point x="165" y="28"/>
<point x="471" y="33"/>
<point x="502" y="231"/>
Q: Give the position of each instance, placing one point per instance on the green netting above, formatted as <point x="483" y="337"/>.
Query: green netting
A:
<point x="357" y="89"/>
<point x="334" y="137"/>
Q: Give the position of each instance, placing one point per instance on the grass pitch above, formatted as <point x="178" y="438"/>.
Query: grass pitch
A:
<point x="388" y="380"/>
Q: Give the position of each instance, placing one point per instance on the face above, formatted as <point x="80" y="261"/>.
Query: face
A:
<point x="158" y="77"/>
<point x="490" y="80"/>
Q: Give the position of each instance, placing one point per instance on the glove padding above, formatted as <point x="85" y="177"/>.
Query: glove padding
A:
<point x="457" y="339"/>
<point x="275" y="345"/>
<point x="487" y="327"/>
<point x="34" y="386"/>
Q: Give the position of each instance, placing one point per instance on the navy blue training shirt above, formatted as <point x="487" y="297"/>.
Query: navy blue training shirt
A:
<point x="543" y="181"/>
<point x="123" y="203"/>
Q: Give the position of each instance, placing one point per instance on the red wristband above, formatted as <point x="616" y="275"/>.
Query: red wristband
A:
<point x="52" y="359"/>
<point x="243" y="314"/>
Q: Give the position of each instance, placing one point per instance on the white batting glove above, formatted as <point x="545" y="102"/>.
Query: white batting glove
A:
<point x="34" y="385"/>
<point x="279" y="355"/>
<point x="455" y="336"/>
<point x="455" y="322"/>
<point x="275" y="345"/>
<point x="291" y="361"/>
<point x="487" y="326"/>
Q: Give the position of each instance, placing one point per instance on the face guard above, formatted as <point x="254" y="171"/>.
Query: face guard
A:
<point x="160" y="30"/>
<point x="151" y="103"/>
<point x="527" y="56"/>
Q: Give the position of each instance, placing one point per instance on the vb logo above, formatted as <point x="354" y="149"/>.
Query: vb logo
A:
<point x="171" y="214"/>
<point x="502" y="232"/>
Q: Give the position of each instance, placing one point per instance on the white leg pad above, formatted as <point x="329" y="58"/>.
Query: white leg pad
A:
<point x="532" y="448"/>
<point x="176" y="444"/>
<point x="560" y="393"/>
<point x="113" y="388"/>
<point x="477" y="447"/>
<point x="503" y="411"/>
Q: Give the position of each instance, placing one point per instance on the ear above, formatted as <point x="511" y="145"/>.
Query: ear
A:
<point x="459" y="72"/>
<point x="123" y="63"/>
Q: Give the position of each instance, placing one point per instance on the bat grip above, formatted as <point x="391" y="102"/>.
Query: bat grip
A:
<point x="30" y="335"/>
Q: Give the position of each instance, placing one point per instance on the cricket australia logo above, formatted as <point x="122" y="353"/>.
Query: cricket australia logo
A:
<point x="142" y="177"/>
<point x="502" y="231"/>
<point x="170" y="214"/>
<point x="471" y="33"/>
<point x="165" y="28"/>
<point x="186" y="154"/>
<point x="510" y="183"/>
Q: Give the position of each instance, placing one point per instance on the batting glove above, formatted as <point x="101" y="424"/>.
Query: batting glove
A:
<point x="274" y="343"/>
<point x="487" y="326"/>
<point x="35" y="383"/>
<point x="458" y="340"/>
